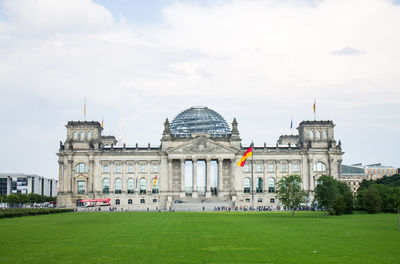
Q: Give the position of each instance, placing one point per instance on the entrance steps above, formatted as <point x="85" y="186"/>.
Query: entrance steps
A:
<point x="197" y="203"/>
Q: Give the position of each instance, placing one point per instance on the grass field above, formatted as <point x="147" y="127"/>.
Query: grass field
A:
<point x="270" y="237"/>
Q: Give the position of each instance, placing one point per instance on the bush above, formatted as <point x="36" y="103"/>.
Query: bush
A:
<point x="372" y="202"/>
<point x="17" y="212"/>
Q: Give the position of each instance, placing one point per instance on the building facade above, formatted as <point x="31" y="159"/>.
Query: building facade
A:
<point x="353" y="176"/>
<point x="196" y="160"/>
<point x="20" y="183"/>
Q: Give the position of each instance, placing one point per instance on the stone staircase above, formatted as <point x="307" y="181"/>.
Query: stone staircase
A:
<point x="197" y="204"/>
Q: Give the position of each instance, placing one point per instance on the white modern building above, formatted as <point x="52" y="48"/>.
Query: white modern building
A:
<point x="195" y="162"/>
<point x="20" y="183"/>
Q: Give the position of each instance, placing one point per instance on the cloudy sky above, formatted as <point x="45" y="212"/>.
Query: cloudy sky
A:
<point x="139" y="62"/>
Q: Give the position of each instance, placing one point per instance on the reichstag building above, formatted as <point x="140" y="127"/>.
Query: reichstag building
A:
<point x="196" y="162"/>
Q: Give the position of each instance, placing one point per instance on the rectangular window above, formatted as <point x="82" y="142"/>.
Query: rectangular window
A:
<point x="129" y="201"/>
<point x="259" y="168"/>
<point x="246" y="167"/>
<point x="130" y="168"/>
<point x="296" y="167"/>
<point x="105" y="168"/>
<point x="283" y="168"/>
<point x="271" y="168"/>
<point x="155" y="168"/>
<point x="272" y="200"/>
<point x="259" y="200"/>
<point x="142" y="168"/>
<point x="117" y="168"/>
<point x="3" y="186"/>
<point x="81" y="187"/>
<point x="33" y="185"/>
<point x="142" y="201"/>
<point x="247" y="200"/>
<point x="154" y="200"/>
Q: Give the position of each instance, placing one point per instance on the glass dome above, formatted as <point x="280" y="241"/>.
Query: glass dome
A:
<point x="199" y="120"/>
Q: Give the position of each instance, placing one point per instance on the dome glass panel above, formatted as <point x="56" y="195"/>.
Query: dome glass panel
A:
<point x="199" y="120"/>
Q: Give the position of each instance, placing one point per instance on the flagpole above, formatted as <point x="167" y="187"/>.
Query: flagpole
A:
<point x="252" y="175"/>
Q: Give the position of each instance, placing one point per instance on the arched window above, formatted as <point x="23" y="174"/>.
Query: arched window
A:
<point x="118" y="185"/>
<point x="312" y="134"/>
<point x="271" y="185"/>
<point x="259" y="188"/>
<point x="318" y="134"/>
<point x="81" y="168"/>
<point x="117" y="201"/>
<point x="155" y="185"/>
<point x="89" y="135"/>
<point x="106" y="186"/>
<point x="82" y="135"/>
<point x="130" y="185"/>
<point x="142" y="186"/>
<point x="319" y="166"/>
<point x="75" y="135"/>
<point x="246" y="185"/>
<point x="325" y="134"/>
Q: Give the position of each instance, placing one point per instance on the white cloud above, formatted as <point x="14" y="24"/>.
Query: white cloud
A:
<point x="265" y="55"/>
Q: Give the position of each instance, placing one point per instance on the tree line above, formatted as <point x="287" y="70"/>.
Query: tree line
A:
<point x="335" y="197"/>
<point x="16" y="200"/>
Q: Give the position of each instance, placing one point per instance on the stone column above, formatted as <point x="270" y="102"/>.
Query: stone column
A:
<point x="60" y="177"/>
<point x="310" y="177"/>
<point x="111" y="173"/>
<point x="91" y="175"/>
<point x="182" y="195"/>
<point x="208" y="177"/>
<point x="220" y="183"/>
<point x="170" y="175"/>
<point x="123" y="177"/>
<point x="265" y="179"/>
<point x="71" y="175"/>
<point x="194" y="177"/>
<point x="232" y="176"/>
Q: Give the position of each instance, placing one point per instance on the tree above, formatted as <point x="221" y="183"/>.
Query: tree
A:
<point x="395" y="200"/>
<point x="326" y="193"/>
<point x="372" y="202"/>
<point x="289" y="192"/>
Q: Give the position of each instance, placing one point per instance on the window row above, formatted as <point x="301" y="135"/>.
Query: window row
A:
<point x="130" y="168"/>
<point x="259" y="185"/>
<point x="259" y="200"/>
<point x="271" y="167"/>
<point x="130" y="201"/>
<point x="316" y="134"/>
<point x="81" y="135"/>
<point x="83" y="168"/>
<point x="131" y="186"/>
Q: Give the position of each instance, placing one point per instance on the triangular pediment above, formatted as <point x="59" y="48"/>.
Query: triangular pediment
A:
<point x="202" y="145"/>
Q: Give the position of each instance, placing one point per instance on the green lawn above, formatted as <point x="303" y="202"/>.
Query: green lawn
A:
<point x="255" y="237"/>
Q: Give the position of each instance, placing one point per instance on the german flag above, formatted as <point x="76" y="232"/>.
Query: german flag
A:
<point x="246" y="155"/>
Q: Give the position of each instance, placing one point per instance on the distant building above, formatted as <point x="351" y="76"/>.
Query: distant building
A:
<point x="353" y="176"/>
<point x="20" y="183"/>
<point x="377" y="170"/>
